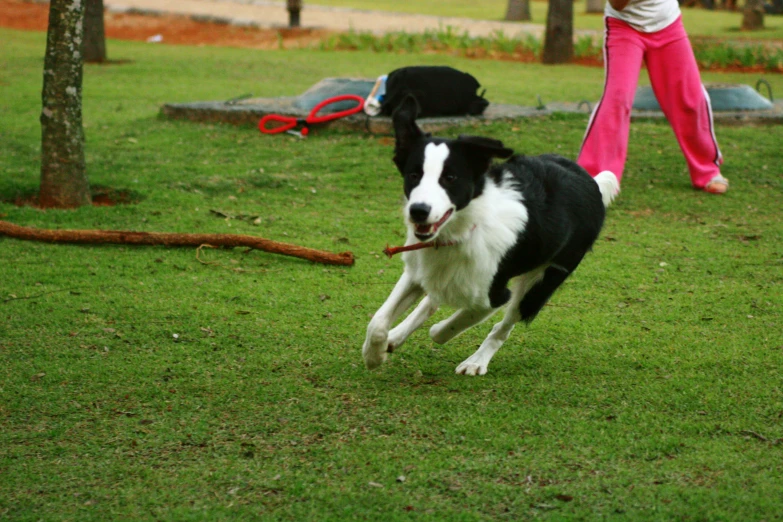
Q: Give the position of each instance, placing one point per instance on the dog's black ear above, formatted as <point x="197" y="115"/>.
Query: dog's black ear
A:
<point x="480" y="152"/>
<point x="493" y="148"/>
<point x="406" y="132"/>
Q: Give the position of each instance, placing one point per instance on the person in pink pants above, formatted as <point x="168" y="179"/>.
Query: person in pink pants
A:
<point x="651" y="31"/>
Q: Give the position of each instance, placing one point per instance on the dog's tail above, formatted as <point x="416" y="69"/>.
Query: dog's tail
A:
<point x="609" y="186"/>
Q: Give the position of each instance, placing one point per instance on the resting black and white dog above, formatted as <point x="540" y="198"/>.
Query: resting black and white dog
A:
<point x="506" y="234"/>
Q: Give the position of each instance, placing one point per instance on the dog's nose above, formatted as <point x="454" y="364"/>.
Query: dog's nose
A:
<point x="419" y="212"/>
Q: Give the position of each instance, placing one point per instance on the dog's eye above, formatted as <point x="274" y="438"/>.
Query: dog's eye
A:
<point x="449" y="177"/>
<point x="414" y="176"/>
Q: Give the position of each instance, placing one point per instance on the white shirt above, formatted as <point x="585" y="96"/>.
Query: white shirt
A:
<point x="647" y="16"/>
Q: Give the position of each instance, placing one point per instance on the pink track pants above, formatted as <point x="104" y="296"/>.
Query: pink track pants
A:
<point x="675" y="79"/>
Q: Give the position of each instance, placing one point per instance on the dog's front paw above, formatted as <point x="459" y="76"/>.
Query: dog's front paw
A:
<point x="375" y="347"/>
<point x="473" y="365"/>
<point x="467" y="368"/>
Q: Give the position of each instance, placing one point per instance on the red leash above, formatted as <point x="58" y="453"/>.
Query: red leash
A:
<point x="289" y="122"/>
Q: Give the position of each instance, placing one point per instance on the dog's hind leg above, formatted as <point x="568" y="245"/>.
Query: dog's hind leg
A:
<point x="458" y="322"/>
<point x="421" y="313"/>
<point x="477" y="363"/>
<point x="404" y="294"/>
<point x="554" y="276"/>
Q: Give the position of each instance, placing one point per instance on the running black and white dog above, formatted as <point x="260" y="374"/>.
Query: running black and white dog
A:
<point x="506" y="234"/>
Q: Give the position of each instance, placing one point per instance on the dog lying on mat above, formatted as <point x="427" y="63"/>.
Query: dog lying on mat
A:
<point x="482" y="236"/>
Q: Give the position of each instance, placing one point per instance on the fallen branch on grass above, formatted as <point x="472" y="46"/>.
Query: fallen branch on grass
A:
<point x="755" y="435"/>
<point x="232" y="268"/>
<point x="14" y="298"/>
<point x="120" y="237"/>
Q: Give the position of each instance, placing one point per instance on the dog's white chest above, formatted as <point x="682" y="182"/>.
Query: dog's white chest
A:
<point x="452" y="276"/>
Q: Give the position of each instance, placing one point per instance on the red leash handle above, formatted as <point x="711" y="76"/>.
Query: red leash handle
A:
<point x="314" y="118"/>
<point x="289" y="122"/>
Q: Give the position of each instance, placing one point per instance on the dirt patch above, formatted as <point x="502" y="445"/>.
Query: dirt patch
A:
<point x="178" y="30"/>
<point x="527" y="57"/>
<point x="101" y="197"/>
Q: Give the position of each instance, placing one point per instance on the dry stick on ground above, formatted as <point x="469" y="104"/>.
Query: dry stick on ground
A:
<point x="14" y="298"/>
<point x="120" y="237"/>
<point x="232" y="268"/>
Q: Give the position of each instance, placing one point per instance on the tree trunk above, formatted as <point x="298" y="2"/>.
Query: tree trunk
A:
<point x="753" y="15"/>
<point x="559" y="37"/>
<point x="294" y="9"/>
<point x="63" y="175"/>
<point x="94" y="33"/>
<point x="594" y="6"/>
<point x="518" y="11"/>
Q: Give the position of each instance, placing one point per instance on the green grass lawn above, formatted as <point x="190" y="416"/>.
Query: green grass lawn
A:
<point x="139" y="383"/>
<point x="700" y="22"/>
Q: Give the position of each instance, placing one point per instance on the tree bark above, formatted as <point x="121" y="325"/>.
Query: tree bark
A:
<point x="594" y="6"/>
<point x="63" y="174"/>
<point x="753" y="15"/>
<point x="518" y="11"/>
<point x="559" y="37"/>
<point x="94" y="32"/>
<point x="294" y="9"/>
<point x="121" y="237"/>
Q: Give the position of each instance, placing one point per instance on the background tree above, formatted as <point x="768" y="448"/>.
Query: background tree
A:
<point x="63" y="174"/>
<point x="559" y="37"/>
<point x="518" y="10"/>
<point x="753" y="15"/>
<point x="594" y="6"/>
<point x="294" y="9"/>
<point x="94" y="32"/>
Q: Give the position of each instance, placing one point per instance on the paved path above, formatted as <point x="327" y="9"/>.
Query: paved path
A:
<point x="264" y="13"/>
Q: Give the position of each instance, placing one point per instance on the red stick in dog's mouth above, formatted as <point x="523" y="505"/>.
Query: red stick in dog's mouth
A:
<point x="425" y="232"/>
<point x="390" y="251"/>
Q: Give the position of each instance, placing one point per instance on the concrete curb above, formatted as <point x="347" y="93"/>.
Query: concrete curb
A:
<point x="249" y="112"/>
